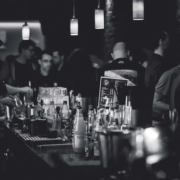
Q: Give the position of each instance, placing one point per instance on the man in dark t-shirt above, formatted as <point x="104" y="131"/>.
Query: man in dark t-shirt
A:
<point x="17" y="70"/>
<point x="122" y="67"/>
<point x="59" y="67"/>
<point x="156" y="66"/>
<point x="44" y="76"/>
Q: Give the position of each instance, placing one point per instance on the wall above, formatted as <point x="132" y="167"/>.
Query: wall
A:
<point x="13" y="37"/>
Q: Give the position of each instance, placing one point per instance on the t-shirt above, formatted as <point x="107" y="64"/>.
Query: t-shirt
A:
<point x="125" y="68"/>
<point x="175" y="95"/>
<point x="39" y="80"/>
<point x="164" y="86"/>
<point x="165" y="82"/>
<point x="154" y="70"/>
<point x="23" y="73"/>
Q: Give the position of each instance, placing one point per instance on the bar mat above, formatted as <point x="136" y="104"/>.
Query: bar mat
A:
<point x="28" y="137"/>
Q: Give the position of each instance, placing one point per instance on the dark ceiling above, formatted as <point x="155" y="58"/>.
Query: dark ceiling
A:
<point x="54" y="16"/>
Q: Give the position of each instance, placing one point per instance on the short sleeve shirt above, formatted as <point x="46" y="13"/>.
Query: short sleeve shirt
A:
<point x="165" y="82"/>
<point x="175" y="95"/>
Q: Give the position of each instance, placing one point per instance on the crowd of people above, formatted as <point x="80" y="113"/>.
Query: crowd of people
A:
<point x="46" y="68"/>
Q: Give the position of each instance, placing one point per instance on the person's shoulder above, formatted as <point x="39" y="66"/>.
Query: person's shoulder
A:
<point x="10" y="58"/>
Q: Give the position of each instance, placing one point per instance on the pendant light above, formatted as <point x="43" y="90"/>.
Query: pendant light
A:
<point x="25" y="28"/>
<point x="138" y="10"/>
<point x="99" y="17"/>
<point x="74" y="27"/>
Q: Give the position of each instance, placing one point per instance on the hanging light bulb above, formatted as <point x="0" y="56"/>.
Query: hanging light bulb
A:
<point x="99" y="17"/>
<point x="25" y="28"/>
<point x="138" y="10"/>
<point x="25" y="32"/>
<point x="74" y="26"/>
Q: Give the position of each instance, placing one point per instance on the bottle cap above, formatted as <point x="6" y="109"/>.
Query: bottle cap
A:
<point x="64" y="102"/>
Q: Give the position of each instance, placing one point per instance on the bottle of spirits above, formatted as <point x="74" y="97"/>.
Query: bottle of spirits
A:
<point x="65" y="119"/>
<point x="58" y="121"/>
<point x="90" y="120"/>
<point x="79" y="133"/>
<point x="111" y="120"/>
<point x="117" y="120"/>
<point x="86" y="142"/>
<point x="52" y="110"/>
<point x="99" y="127"/>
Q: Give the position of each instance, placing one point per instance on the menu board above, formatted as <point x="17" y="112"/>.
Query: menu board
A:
<point x="112" y="92"/>
<point x="125" y="74"/>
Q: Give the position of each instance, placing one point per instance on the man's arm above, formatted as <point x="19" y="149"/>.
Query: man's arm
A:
<point x="158" y="104"/>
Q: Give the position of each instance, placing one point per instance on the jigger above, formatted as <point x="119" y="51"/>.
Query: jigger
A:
<point x="114" y="149"/>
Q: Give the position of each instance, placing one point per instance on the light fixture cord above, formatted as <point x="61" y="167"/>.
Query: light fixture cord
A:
<point x="73" y="8"/>
<point x="25" y="11"/>
<point x="98" y="4"/>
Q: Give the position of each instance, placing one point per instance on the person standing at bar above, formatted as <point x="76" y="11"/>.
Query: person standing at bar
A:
<point x="59" y="66"/>
<point x="17" y="70"/>
<point x="162" y="95"/>
<point x="123" y="66"/>
<point x="156" y="66"/>
<point x="43" y="76"/>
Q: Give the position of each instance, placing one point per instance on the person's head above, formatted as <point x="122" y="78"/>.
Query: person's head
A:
<point x="46" y="61"/>
<point x="162" y="40"/>
<point x="58" y="57"/>
<point x="120" y="50"/>
<point x="26" y="48"/>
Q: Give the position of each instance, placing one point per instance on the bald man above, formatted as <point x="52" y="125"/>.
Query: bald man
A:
<point x="122" y="67"/>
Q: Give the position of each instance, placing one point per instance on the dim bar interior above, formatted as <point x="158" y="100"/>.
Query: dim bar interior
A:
<point x="89" y="89"/>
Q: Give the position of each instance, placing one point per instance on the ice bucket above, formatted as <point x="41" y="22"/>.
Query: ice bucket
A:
<point x="114" y="149"/>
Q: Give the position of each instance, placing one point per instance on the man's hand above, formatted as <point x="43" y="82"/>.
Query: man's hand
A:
<point x="27" y="90"/>
<point x="8" y="101"/>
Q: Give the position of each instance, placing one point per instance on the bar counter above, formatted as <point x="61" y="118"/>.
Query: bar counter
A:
<point x="44" y="161"/>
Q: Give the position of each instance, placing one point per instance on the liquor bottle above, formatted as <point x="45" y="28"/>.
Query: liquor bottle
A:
<point x="28" y="111"/>
<point x="79" y="99"/>
<point x="111" y="120"/>
<point x="79" y="133"/>
<point x="8" y="113"/>
<point x="52" y="110"/>
<point x="86" y="141"/>
<point x="32" y="122"/>
<point x="65" y="119"/>
<point x="106" y="115"/>
<point x="99" y="127"/>
<point x="28" y="96"/>
<point x="90" y="120"/>
<point x="58" y="120"/>
<point x="117" y="120"/>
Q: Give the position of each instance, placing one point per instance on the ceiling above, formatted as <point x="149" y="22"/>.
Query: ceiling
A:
<point x="54" y="16"/>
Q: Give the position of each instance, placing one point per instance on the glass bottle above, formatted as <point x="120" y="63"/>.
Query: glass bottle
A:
<point x="65" y="119"/>
<point x="96" y="143"/>
<point x="79" y="133"/>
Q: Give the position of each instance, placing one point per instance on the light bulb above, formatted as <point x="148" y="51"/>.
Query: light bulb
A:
<point x="99" y="19"/>
<point x="25" y="32"/>
<point x="74" y="27"/>
<point x="138" y="10"/>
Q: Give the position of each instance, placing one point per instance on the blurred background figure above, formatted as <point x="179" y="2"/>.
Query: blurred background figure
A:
<point x="59" y="66"/>
<point x="18" y="70"/>
<point x="36" y="56"/>
<point x="79" y="73"/>
<point x="157" y="65"/>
